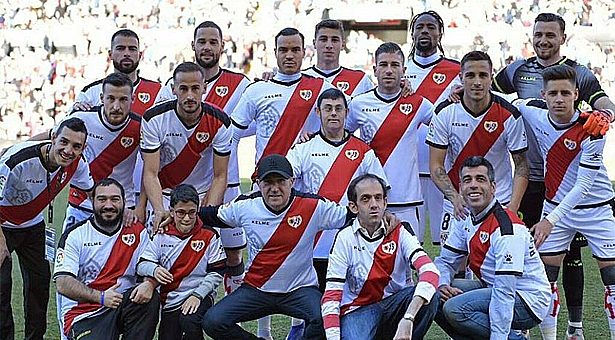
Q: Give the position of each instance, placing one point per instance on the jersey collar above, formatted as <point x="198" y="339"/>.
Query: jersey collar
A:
<point x="480" y="113"/>
<point x="426" y="62"/>
<point x="103" y="231"/>
<point x="325" y="74"/>
<point x="388" y="101"/>
<point x="558" y="126"/>
<point x="173" y="231"/>
<point x="105" y="123"/>
<point x="216" y="76"/>
<point x="481" y="216"/>
<point x="335" y="143"/>
<point x="358" y="229"/>
<point x="278" y="212"/>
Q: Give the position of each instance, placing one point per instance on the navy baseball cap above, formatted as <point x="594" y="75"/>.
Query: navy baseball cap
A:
<point x="274" y="164"/>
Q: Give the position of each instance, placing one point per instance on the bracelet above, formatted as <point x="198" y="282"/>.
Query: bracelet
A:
<point x="102" y="298"/>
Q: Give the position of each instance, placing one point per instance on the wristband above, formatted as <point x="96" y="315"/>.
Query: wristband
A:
<point x="102" y="298"/>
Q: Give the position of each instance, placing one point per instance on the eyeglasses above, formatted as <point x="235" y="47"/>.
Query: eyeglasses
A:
<point x="182" y="213"/>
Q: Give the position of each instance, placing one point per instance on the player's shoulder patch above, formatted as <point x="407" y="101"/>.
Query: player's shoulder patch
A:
<point x="159" y="109"/>
<point x="217" y="113"/>
<point x="92" y="84"/>
<point x="445" y="103"/>
<point x="506" y="105"/>
<point x="504" y="221"/>
<point x="23" y="155"/>
<point x="62" y="242"/>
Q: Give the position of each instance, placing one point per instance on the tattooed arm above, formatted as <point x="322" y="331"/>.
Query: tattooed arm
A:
<point x="440" y="178"/>
<point x="520" y="180"/>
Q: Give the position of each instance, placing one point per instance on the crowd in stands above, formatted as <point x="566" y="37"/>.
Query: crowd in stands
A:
<point x="50" y="49"/>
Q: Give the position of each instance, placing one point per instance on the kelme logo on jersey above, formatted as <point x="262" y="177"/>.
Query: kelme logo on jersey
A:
<point x="405" y="108"/>
<point x="295" y="221"/>
<point x="127" y="142"/>
<point x="352" y="154"/>
<point x="389" y="247"/>
<point x="221" y="90"/>
<point x="197" y="245"/>
<point x="483" y="236"/>
<point x="129" y="239"/>
<point x="305" y="94"/>
<point x="570" y="144"/>
<point x="490" y="126"/>
<point x="144" y="97"/>
<point x="439" y="78"/>
<point x="202" y="137"/>
<point x="342" y="85"/>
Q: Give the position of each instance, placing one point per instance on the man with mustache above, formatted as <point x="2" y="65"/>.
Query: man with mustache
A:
<point x="185" y="141"/>
<point x="95" y="269"/>
<point x="31" y="175"/>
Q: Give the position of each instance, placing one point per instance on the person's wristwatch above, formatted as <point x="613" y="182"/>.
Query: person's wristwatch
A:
<point x="409" y="317"/>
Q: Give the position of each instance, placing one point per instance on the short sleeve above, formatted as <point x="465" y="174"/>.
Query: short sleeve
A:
<point x="332" y="215"/>
<point x="425" y="113"/>
<point x="67" y="255"/>
<point x="592" y="150"/>
<point x="457" y="240"/>
<point x="352" y="120"/>
<point x="151" y="136"/>
<point x="364" y="85"/>
<point x="82" y="178"/>
<point x="229" y="213"/>
<point x="215" y="252"/>
<point x="294" y="158"/>
<point x="589" y="87"/>
<point x="373" y="166"/>
<point x="222" y="141"/>
<point x="245" y="111"/>
<point x="516" y="138"/>
<point x="438" y="134"/>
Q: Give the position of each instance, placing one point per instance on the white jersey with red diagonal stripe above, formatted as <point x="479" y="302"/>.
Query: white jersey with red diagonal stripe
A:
<point x="188" y="257"/>
<point x="452" y="127"/>
<point x="85" y="251"/>
<point x="100" y="135"/>
<point x="344" y="79"/>
<point x="265" y="102"/>
<point x="280" y="243"/>
<point x="314" y="160"/>
<point x="368" y="112"/>
<point x="567" y="149"/>
<point x="145" y="94"/>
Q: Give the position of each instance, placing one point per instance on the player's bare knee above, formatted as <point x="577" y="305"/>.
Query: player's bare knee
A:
<point x="607" y="273"/>
<point x="552" y="260"/>
<point x="552" y="272"/>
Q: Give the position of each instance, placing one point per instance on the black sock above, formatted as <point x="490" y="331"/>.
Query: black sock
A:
<point x="572" y="280"/>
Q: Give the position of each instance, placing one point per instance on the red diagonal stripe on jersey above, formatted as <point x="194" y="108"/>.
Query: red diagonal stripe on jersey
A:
<point x="480" y="243"/>
<point x="116" y="152"/>
<point x="294" y="116"/>
<point x="117" y="264"/>
<point x="433" y="85"/>
<point x="352" y="77"/>
<point x="18" y="214"/>
<point x="187" y="260"/>
<point x="222" y="91"/>
<point x="394" y="126"/>
<point x="560" y="156"/>
<point x="282" y="242"/>
<point x="380" y="274"/>
<point x="181" y="167"/>
<point x="145" y="96"/>
<point x="481" y="140"/>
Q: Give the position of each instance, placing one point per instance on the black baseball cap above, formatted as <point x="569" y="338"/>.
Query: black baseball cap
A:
<point x="274" y="163"/>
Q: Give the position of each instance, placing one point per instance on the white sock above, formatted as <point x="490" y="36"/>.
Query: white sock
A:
<point x="548" y="326"/>
<point x="231" y="283"/>
<point x="609" y="307"/>
<point x="296" y="322"/>
<point x="264" y="327"/>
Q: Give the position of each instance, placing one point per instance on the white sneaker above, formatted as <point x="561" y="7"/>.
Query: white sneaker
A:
<point x="577" y="335"/>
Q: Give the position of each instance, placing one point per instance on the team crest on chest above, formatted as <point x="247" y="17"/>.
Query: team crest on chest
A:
<point x="438" y="78"/>
<point x="129" y="239"/>
<point x="389" y="247"/>
<point x="490" y="126"/>
<point x="295" y="221"/>
<point x="342" y="85"/>
<point x="197" y="245"/>
<point x="352" y="154"/>
<point x="405" y="108"/>
<point x="483" y="236"/>
<point x="221" y="90"/>
<point x="144" y="97"/>
<point x="305" y="94"/>
<point x="202" y="137"/>
<point x="570" y="144"/>
<point x="127" y="141"/>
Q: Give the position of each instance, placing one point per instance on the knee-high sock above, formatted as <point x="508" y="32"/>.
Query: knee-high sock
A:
<point x="548" y="326"/>
<point x="572" y="280"/>
<point x="233" y="278"/>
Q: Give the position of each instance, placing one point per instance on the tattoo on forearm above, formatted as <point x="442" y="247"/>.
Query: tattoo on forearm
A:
<point x="521" y="165"/>
<point x="444" y="183"/>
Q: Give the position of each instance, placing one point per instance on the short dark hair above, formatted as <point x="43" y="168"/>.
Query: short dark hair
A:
<point x="105" y="182"/>
<point x="332" y="93"/>
<point x="329" y="23"/>
<point x="187" y="67"/>
<point x="551" y="17"/>
<point x="389" y="47"/>
<point x="476" y="161"/>
<point x="559" y="72"/>
<point x="124" y="32"/>
<point x="184" y="193"/>
<point x="438" y="18"/>
<point x="208" y="24"/>
<point x="74" y="124"/>
<point x="118" y="79"/>
<point x="352" y="188"/>
<point x="289" y="31"/>
<point x="476" y="56"/>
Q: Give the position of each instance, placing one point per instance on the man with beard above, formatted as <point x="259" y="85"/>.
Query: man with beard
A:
<point x="95" y="269"/>
<point x="31" y="175"/>
<point x="185" y="141"/>
<point x="223" y="89"/>
<point x="432" y="76"/>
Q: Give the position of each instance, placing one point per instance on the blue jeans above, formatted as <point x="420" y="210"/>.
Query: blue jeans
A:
<point x="379" y="320"/>
<point x="248" y="303"/>
<point x="466" y="316"/>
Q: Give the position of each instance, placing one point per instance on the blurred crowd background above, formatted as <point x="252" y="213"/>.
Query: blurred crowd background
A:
<point x="50" y="49"/>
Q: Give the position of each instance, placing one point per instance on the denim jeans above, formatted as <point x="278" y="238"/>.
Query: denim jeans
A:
<point x="466" y="316"/>
<point x="379" y="320"/>
<point x="248" y="303"/>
